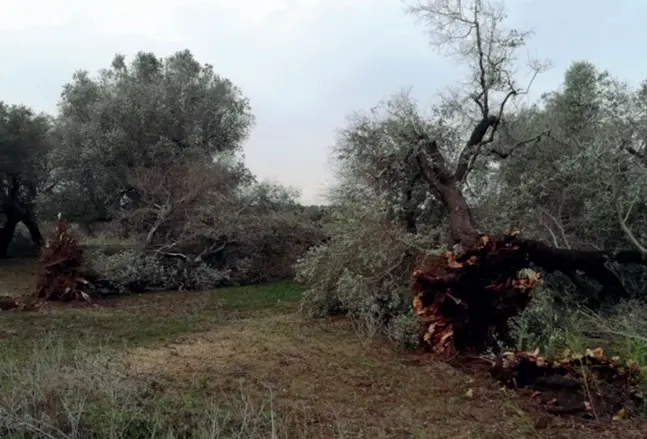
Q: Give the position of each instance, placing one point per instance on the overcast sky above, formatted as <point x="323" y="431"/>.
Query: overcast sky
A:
<point x="304" y="64"/>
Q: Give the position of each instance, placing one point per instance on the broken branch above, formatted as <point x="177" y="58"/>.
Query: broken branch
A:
<point x="535" y="139"/>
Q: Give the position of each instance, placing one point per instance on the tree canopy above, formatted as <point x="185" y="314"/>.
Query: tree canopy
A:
<point x="24" y="140"/>
<point x="148" y="114"/>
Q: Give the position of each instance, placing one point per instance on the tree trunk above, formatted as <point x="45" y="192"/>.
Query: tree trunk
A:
<point x="409" y="214"/>
<point x="15" y="216"/>
<point x="34" y="231"/>
<point x="462" y="227"/>
<point x="6" y="235"/>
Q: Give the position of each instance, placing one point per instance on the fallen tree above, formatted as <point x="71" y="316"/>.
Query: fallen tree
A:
<point x="466" y="300"/>
<point x="466" y="297"/>
<point x="62" y="267"/>
<point x="64" y="273"/>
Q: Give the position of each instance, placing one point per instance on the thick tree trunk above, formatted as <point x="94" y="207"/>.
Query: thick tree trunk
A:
<point x="15" y="215"/>
<point x="34" y="230"/>
<point x="463" y="231"/>
<point x="6" y="235"/>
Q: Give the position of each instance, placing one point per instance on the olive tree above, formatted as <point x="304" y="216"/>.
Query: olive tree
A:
<point x="145" y="114"/>
<point x="458" y="147"/>
<point x="24" y="143"/>
<point x="585" y="184"/>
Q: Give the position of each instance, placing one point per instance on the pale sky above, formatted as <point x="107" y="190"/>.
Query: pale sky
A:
<point x="304" y="64"/>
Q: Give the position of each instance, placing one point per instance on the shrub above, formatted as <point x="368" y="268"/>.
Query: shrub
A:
<point x="363" y="271"/>
<point x="404" y="330"/>
<point x="136" y="271"/>
<point x="547" y="321"/>
<point x="268" y="247"/>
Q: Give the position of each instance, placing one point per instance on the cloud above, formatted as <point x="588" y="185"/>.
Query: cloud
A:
<point x="304" y="64"/>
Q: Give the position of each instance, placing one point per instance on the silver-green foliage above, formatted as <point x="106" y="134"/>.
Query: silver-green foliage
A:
<point x="144" y="114"/>
<point x="132" y="270"/>
<point x="546" y="322"/>
<point x="567" y="188"/>
<point x="363" y="271"/>
<point x="385" y="223"/>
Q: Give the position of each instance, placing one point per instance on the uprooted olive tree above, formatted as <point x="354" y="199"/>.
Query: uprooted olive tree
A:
<point x="467" y="296"/>
<point x="481" y="175"/>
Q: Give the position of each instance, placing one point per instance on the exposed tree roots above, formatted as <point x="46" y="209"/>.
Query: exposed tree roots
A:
<point x="465" y="302"/>
<point x="589" y="385"/>
<point x="64" y="275"/>
<point x="62" y="267"/>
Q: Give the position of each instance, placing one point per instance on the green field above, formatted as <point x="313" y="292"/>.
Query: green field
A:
<point x="233" y="363"/>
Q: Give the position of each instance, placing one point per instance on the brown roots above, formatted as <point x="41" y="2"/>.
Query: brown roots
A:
<point x="589" y="385"/>
<point x="465" y="302"/>
<point x="62" y="267"/>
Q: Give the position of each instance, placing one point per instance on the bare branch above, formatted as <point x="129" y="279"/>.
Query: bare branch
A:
<point x="558" y="225"/>
<point x="535" y="139"/>
<point x="639" y="153"/>
<point x="622" y="220"/>
<point x="183" y="211"/>
<point x="162" y="216"/>
<point x="474" y="31"/>
<point x="472" y="148"/>
<point x="484" y="106"/>
<point x="207" y="252"/>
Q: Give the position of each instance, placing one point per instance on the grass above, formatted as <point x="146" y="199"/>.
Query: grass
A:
<point x="232" y="363"/>
<point x="147" y="318"/>
<point x="621" y="331"/>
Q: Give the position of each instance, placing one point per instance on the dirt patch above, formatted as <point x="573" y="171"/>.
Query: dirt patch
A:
<point x="334" y="381"/>
<point x="18" y="277"/>
<point x="548" y="424"/>
<point x="323" y="373"/>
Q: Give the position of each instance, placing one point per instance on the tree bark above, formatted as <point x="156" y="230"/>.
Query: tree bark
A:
<point x="16" y="214"/>
<point x="409" y="214"/>
<point x="6" y="235"/>
<point x="462" y="227"/>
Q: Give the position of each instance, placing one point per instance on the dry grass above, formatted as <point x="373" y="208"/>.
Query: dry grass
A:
<point x="321" y="373"/>
<point x="271" y="376"/>
<point x="236" y="363"/>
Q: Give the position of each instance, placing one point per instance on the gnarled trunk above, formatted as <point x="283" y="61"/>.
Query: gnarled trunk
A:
<point x="463" y="231"/>
<point x="6" y="235"/>
<point x="17" y="214"/>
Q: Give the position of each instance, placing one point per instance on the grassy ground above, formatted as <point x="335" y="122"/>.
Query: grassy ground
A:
<point x="239" y="362"/>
